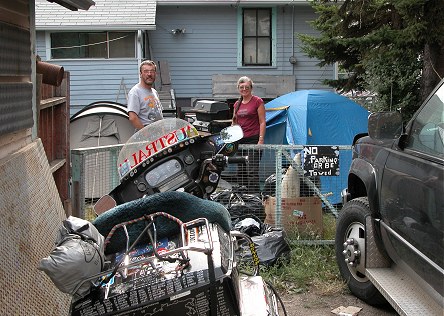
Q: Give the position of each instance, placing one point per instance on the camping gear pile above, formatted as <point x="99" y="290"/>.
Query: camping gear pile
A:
<point x="247" y="214"/>
<point x="78" y="254"/>
<point x="168" y="251"/>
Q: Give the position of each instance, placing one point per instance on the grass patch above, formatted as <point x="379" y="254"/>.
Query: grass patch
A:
<point x="311" y="265"/>
<point x="89" y="213"/>
<point x="329" y="226"/>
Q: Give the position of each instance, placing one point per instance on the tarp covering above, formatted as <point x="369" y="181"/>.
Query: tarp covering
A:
<point x="317" y="117"/>
<point x="98" y="127"/>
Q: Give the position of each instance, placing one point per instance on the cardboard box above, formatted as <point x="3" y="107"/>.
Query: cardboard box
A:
<point x="303" y="214"/>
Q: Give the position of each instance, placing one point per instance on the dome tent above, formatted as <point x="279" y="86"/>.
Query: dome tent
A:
<point x="317" y="117"/>
<point x="101" y="123"/>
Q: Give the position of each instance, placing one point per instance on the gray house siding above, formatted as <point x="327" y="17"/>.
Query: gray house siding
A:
<point x="95" y="79"/>
<point x="98" y="80"/>
<point x="209" y="46"/>
<point x="307" y="74"/>
<point x="40" y="45"/>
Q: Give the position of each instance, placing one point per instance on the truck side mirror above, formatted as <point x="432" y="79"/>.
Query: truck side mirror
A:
<point x="385" y="125"/>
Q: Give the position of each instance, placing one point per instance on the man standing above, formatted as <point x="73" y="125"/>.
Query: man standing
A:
<point x="144" y="106"/>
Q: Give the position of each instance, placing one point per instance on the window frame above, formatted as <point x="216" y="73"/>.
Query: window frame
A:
<point x="108" y="35"/>
<point x="424" y="121"/>
<point x="240" y="43"/>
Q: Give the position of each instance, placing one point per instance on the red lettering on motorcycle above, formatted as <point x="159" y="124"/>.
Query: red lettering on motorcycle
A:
<point x="151" y="149"/>
<point x="160" y="144"/>
<point x="171" y="139"/>
<point x="134" y="159"/>
<point x="162" y="141"/>
<point x="142" y="157"/>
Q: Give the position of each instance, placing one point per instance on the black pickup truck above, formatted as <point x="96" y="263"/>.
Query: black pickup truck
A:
<point x="390" y="231"/>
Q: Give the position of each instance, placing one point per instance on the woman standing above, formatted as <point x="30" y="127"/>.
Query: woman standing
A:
<point x="249" y="113"/>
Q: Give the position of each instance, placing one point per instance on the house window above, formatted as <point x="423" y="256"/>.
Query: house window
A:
<point x="92" y="45"/>
<point x="257" y="37"/>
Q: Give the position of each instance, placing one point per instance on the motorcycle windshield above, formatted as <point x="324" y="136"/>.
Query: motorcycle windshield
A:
<point x="151" y="140"/>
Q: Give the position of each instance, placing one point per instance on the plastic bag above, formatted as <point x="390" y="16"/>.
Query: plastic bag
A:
<point x="240" y="204"/>
<point x="78" y="254"/>
<point x="249" y="225"/>
<point x="271" y="246"/>
<point x="270" y="243"/>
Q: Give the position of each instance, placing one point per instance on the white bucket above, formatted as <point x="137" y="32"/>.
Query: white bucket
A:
<point x="291" y="181"/>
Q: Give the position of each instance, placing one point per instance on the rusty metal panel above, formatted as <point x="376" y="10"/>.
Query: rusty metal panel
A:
<point x="15" y="51"/>
<point x="31" y="213"/>
<point x="15" y="106"/>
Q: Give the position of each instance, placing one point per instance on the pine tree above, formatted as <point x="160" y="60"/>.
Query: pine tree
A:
<point x="393" y="48"/>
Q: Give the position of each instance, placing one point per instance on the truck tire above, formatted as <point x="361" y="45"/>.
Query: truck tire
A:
<point x="350" y="250"/>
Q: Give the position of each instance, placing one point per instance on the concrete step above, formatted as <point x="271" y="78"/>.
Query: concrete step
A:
<point x="405" y="295"/>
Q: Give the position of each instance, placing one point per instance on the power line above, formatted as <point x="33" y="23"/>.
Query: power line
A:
<point x="92" y="44"/>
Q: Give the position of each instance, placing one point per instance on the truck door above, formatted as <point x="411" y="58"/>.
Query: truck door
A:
<point x="412" y="193"/>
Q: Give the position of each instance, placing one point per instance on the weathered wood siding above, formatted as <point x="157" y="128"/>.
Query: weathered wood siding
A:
<point x="265" y="86"/>
<point x="30" y="207"/>
<point x="16" y="102"/>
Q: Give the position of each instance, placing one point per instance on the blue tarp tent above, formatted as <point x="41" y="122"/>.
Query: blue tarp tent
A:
<point x="317" y="117"/>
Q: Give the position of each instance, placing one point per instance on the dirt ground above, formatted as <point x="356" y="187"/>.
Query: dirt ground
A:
<point x="312" y="304"/>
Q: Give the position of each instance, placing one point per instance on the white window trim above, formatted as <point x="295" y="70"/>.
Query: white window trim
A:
<point x="273" y="38"/>
<point x="48" y="45"/>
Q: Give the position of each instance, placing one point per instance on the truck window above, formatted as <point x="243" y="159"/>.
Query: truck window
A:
<point x="427" y="134"/>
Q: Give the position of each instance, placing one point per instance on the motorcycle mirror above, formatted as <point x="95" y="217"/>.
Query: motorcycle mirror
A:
<point x="104" y="204"/>
<point x="231" y="134"/>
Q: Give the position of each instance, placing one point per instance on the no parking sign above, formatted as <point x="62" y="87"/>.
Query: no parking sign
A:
<point x="321" y="161"/>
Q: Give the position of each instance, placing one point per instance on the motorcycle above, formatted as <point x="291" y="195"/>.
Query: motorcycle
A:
<point x="169" y="249"/>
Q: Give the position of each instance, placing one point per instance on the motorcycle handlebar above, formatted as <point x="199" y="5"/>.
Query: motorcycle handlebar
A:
<point x="238" y="160"/>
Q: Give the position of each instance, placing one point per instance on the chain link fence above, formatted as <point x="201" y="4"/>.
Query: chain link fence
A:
<point x="289" y="183"/>
<point x="94" y="174"/>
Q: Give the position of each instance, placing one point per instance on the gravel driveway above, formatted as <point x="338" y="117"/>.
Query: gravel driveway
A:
<point x="311" y="304"/>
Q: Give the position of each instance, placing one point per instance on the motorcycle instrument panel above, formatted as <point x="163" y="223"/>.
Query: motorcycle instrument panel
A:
<point x="162" y="172"/>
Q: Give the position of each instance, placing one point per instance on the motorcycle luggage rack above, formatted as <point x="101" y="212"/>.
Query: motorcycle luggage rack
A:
<point x="106" y="276"/>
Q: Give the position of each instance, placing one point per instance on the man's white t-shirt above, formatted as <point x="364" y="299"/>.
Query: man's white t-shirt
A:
<point x="145" y="103"/>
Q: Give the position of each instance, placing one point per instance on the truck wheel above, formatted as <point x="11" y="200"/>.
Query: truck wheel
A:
<point x="350" y="250"/>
